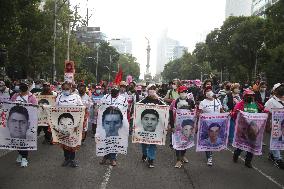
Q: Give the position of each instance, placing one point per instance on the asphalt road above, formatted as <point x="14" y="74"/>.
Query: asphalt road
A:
<point x="45" y="171"/>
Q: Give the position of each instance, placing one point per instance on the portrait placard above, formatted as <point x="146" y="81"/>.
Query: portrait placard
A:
<point x="249" y="131"/>
<point x="44" y="100"/>
<point x="18" y="126"/>
<point x="150" y="124"/>
<point x="66" y="123"/>
<point x="185" y="122"/>
<point x="212" y="132"/>
<point x="277" y="131"/>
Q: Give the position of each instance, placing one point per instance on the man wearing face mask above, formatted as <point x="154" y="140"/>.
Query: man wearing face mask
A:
<point x="87" y="101"/>
<point x="97" y="95"/>
<point x="24" y="96"/>
<point x="4" y="92"/>
<point x="276" y="101"/>
<point x="66" y="98"/>
<point x="172" y="94"/>
<point x="183" y="102"/>
<point x="133" y="97"/>
<point x="248" y="104"/>
<point x="122" y="89"/>
<point x="149" y="150"/>
<point x="262" y="95"/>
<point x="37" y="88"/>
<point x="113" y="99"/>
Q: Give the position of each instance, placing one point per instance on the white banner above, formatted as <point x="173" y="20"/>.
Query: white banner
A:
<point x="18" y="126"/>
<point x="150" y="124"/>
<point x="112" y="126"/>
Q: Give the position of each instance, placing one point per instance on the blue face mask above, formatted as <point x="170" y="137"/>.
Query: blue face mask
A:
<point x="66" y="92"/>
<point x="98" y="91"/>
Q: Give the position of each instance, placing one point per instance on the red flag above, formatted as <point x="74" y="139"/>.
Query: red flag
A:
<point x="118" y="77"/>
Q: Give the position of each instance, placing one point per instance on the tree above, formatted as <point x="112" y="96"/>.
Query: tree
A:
<point x="129" y="66"/>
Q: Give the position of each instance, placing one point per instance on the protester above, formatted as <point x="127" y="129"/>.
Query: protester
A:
<point x="24" y="96"/>
<point x="181" y="103"/>
<point x="67" y="98"/>
<point x="149" y="150"/>
<point x="5" y="92"/>
<point x="248" y="104"/>
<point x="46" y="90"/>
<point x="97" y="94"/>
<point x="111" y="99"/>
<point x="172" y="93"/>
<point x="277" y="101"/>
<point x="230" y="100"/>
<point x="87" y="102"/>
<point x="262" y="95"/>
<point x="210" y="105"/>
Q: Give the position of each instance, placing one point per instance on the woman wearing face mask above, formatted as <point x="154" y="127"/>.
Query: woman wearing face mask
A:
<point x="248" y="104"/>
<point x="262" y="95"/>
<point x="24" y="96"/>
<point x="66" y="98"/>
<point x="276" y="101"/>
<point x="230" y="100"/>
<point x="210" y="105"/>
<point x="183" y="102"/>
<point x="149" y="150"/>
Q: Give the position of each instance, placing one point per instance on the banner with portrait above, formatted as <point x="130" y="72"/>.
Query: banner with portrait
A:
<point x="112" y="128"/>
<point x="213" y="131"/>
<point x="150" y="124"/>
<point x="44" y="100"/>
<point x="249" y="131"/>
<point x="185" y="122"/>
<point x="66" y="123"/>
<point x="94" y="109"/>
<point x="18" y="126"/>
<point x="277" y="131"/>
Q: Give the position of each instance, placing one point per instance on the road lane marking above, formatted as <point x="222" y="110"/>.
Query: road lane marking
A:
<point x="262" y="173"/>
<point x="106" y="177"/>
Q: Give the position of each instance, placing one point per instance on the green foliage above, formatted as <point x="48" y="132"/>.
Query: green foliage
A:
<point x="129" y="66"/>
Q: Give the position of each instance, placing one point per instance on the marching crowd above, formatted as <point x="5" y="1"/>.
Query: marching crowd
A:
<point x="194" y="95"/>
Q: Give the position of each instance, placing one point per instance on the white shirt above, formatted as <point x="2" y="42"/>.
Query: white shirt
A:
<point x="22" y="99"/>
<point x="87" y="101"/>
<point x="207" y="106"/>
<point x="273" y="102"/>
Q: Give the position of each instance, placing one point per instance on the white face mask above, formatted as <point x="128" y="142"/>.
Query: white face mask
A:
<point x="183" y="95"/>
<point x="151" y="92"/>
<point x="209" y="94"/>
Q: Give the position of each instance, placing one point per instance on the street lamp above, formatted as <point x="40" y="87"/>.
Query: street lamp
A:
<point x="108" y="73"/>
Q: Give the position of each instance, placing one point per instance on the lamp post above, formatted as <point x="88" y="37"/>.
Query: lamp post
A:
<point x="108" y="72"/>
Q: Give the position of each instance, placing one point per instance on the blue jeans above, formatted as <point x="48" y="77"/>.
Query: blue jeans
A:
<point x="231" y="131"/>
<point x="149" y="150"/>
<point x="276" y="154"/>
<point x="208" y="154"/>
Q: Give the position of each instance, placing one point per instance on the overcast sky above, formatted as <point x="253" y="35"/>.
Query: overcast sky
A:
<point x="187" y="21"/>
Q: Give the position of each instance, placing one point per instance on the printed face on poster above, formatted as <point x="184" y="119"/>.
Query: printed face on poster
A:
<point x="69" y="77"/>
<point x="212" y="132"/>
<point x="69" y="67"/>
<point x="183" y="137"/>
<point x="150" y="123"/>
<point x="112" y="130"/>
<point x="18" y="129"/>
<point x="249" y="131"/>
<point x="277" y="132"/>
<point x="44" y="100"/>
<point x="66" y="124"/>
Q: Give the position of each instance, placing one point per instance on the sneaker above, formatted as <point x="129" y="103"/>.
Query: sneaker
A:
<point x="235" y="158"/>
<point x="19" y="159"/>
<point x="210" y="161"/>
<point x="144" y="158"/>
<point x="184" y="159"/>
<point x="248" y="164"/>
<point x="74" y="164"/>
<point x="65" y="163"/>
<point x="279" y="164"/>
<point x="24" y="162"/>
<point x="178" y="164"/>
<point x="151" y="163"/>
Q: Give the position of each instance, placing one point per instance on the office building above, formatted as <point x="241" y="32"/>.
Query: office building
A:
<point x="238" y="8"/>
<point x="89" y="36"/>
<point x="122" y="45"/>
